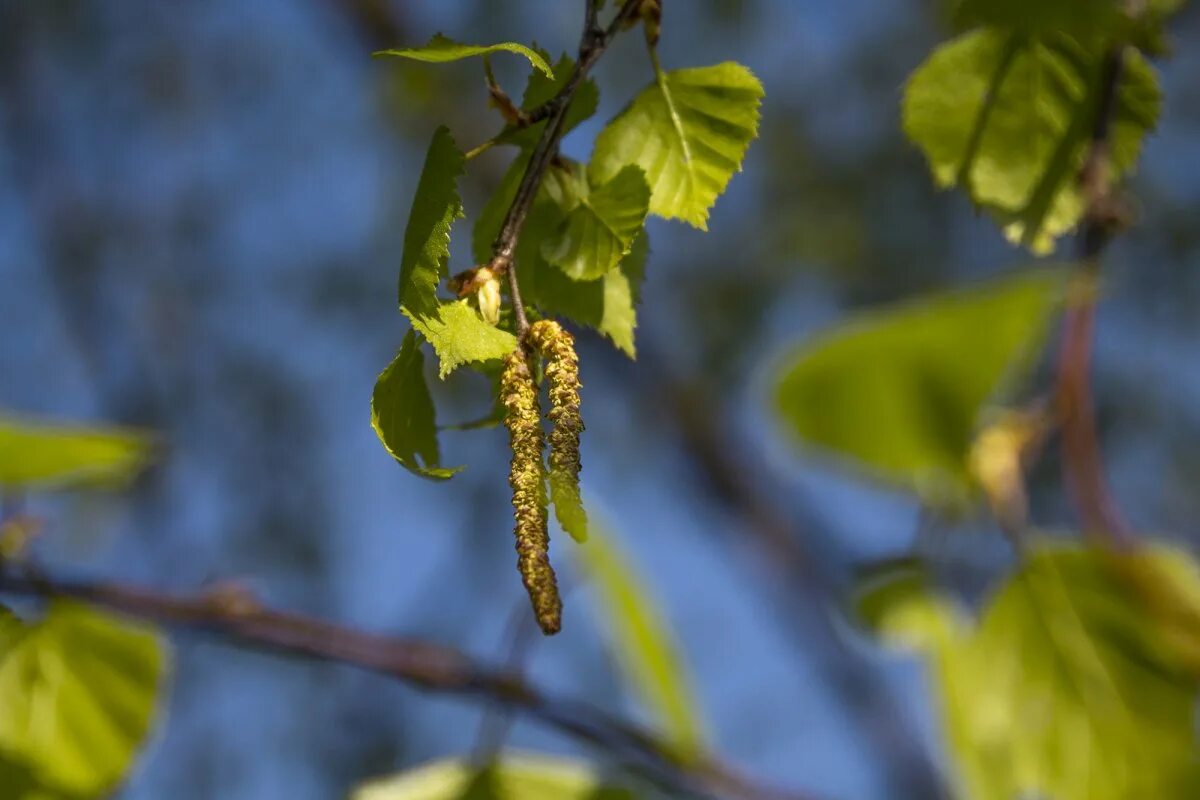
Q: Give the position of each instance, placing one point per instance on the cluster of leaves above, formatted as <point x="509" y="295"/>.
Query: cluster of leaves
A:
<point x="581" y="256"/>
<point x="1080" y="677"/>
<point x="78" y="687"/>
<point x="583" y="249"/>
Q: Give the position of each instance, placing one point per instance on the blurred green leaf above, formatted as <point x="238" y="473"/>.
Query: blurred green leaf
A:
<point x="689" y="132"/>
<point x="38" y="455"/>
<point x="78" y="689"/>
<point x="539" y="90"/>
<point x="1093" y="21"/>
<point x="1066" y="688"/>
<point x="901" y="390"/>
<point x="895" y="603"/>
<point x="1007" y="117"/>
<point x="456" y="331"/>
<point x="402" y="413"/>
<point x="599" y="231"/>
<point x="642" y="641"/>
<point x="441" y="49"/>
<point x="607" y="305"/>
<point x="513" y="777"/>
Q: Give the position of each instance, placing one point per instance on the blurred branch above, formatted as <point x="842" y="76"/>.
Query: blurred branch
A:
<point x="1083" y="463"/>
<point x="233" y="614"/>
<point x="807" y="582"/>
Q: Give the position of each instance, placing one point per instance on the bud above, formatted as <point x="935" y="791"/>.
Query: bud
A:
<point x="488" y="296"/>
<point x="526" y="476"/>
<point x="998" y="458"/>
<point x="557" y="347"/>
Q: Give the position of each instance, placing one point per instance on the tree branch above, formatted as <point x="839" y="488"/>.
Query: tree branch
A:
<point x="429" y="666"/>
<point x="1083" y="464"/>
<point x="592" y="45"/>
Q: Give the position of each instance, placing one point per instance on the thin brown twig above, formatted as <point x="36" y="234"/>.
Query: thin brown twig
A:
<point x="429" y="666"/>
<point x="592" y="45"/>
<point x="1083" y="463"/>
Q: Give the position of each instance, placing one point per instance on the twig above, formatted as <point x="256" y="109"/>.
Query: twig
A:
<point x="591" y="46"/>
<point x="1083" y="464"/>
<point x="429" y="666"/>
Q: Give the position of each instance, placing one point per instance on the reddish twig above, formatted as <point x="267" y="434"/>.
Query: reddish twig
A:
<point x="1083" y="463"/>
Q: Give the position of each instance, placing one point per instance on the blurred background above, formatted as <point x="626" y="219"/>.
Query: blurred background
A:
<point x="201" y="215"/>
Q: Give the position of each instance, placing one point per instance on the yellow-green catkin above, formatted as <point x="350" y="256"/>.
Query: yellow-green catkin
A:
<point x="527" y="478"/>
<point x="557" y="347"/>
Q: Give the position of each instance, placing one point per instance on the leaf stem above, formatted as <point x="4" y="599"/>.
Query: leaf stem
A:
<point x="482" y="147"/>
<point x="592" y="45"/>
<point x="1083" y="463"/>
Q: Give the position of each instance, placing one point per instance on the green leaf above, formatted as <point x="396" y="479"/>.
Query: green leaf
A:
<point x="1093" y="21"/>
<point x="78" y="690"/>
<point x="513" y="777"/>
<point x="1067" y="687"/>
<point x="456" y="331"/>
<point x="427" y="235"/>
<point x="642" y="642"/>
<point x="402" y="413"/>
<point x="541" y="90"/>
<point x="901" y="390"/>
<point x="689" y="132"/>
<point x="38" y="455"/>
<point x="1007" y="117"/>
<point x="460" y="336"/>
<point x="895" y="602"/>
<point x="599" y="231"/>
<point x="441" y="49"/>
<point x="607" y="304"/>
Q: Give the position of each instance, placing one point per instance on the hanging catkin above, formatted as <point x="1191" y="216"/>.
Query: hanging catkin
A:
<point x="528" y="481"/>
<point x="557" y="347"/>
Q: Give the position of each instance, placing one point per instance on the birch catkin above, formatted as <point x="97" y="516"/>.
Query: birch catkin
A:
<point x="557" y="347"/>
<point x="528" y="481"/>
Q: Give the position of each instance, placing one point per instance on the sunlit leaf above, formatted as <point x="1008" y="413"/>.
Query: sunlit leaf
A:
<point x="1067" y="687"/>
<point x="37" y="455"/>
<point x="456" y="331"/>
<point x="599" y="231"/>
<point x="79" y="690"/>
<point x="900" y="390"/>
<point x="642" y="641"/>
<point x="513" y="777"/>
<point x="689" y="132"/>
<point x="402" y="413"/>
<point x="441" y="49"/>
<point x="608" y="304"/>
<point x="1007" y="116"/>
